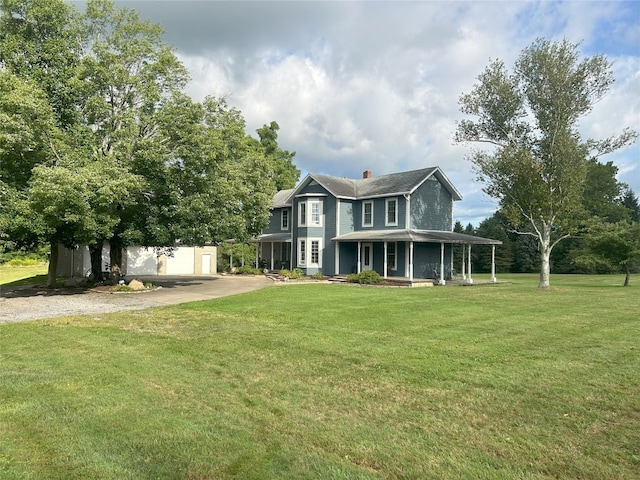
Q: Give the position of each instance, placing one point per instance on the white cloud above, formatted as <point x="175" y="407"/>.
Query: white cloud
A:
<point x="375" y="85"/>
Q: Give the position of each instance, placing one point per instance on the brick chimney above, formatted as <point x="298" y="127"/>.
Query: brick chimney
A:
<point x="367" y="174"/>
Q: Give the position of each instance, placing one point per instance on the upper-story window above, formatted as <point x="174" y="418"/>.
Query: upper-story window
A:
<point x="310" y="213"/>
<point x="284" y="225"/>
<point x="302" y="214"/>
<point x="391" y="206"/>
<point x="367" y="213"/>
<point x="316" y="215"/>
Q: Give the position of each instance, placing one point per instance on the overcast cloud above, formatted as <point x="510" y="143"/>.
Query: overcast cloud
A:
<point x="375" y="85"/>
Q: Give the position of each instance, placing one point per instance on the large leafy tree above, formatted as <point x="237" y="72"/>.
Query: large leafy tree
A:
<point x="283" y="171"/>
<point x="130" y="158"/>
<point x="537" y="165"/>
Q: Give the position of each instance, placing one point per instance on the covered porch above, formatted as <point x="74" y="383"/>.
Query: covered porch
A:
<point x="411" y="256"/>
<point x="275" y="249"/>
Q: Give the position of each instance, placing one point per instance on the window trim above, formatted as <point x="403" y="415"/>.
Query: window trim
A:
<point x="388" y="202"/>
<point x="307" y="261"/>
<point x="302" y="214"/>
<point x="284" y="219"/>
<point x="311" y="204"/>
<point x="302" y="252"/>
<point x="364" y="203"/>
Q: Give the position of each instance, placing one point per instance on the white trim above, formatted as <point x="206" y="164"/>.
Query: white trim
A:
<point x="308" y="245"/>
<point x="368" y="245"/>
<point x="387" y="201"/>
<point x="310" y="205"/>
<point x="367" y="202"/>
<point x="282" y="217"/>
<point x="302" y="218"/>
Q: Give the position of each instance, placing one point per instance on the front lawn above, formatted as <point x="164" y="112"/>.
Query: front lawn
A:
<point x="313" y="381"/>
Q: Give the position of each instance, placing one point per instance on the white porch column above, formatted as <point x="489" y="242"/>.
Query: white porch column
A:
<point x="336" y="266"/>
<point x="464" y="275"/>
<point x="469" y="279"/>
<point x="493" y="264"/>
<point x="411" y="261"/>
<point x="385" y="260"/>
<point x="441" y="281"/>
<point x="359" y="259"/>
<point x="272" y="256"/>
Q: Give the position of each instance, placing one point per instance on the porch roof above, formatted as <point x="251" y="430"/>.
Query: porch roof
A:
<point x="419" y="236"/>
<point x="274" y="237"/>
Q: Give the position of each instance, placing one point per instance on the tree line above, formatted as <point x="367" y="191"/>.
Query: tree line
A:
<point x="99" y="143"/>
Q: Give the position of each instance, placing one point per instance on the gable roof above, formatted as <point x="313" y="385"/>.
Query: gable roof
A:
<point x="402" y="183"/>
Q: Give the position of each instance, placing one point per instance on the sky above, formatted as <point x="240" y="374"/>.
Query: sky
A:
<point x="374" y="85"/>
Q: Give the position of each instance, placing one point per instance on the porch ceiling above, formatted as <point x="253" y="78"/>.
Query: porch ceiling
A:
<point x="420" y="236"/>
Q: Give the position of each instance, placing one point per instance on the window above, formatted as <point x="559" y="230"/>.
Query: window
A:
<point x="314" y="209"/>
<point x="315" y="213"/>
<point x="285" y="220"/>
<point x="315" y="252"/>
<point x="392" y="212"/>
<point x="302" y="252"/>
<point x="367" y="214"/>
<point x="309" y="252"/>
<point x="302" y="214"/>
<point x="391" y="256"/>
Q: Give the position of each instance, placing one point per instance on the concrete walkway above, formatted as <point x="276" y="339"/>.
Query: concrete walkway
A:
<point x="18" y="304"/>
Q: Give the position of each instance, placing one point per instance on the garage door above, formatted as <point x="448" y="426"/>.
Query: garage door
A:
<point x="182" y="262"/>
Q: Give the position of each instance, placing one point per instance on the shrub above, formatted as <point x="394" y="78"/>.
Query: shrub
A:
<point x="367" y="277"/>
<point x="353" y="278"/>
<point x="123" y="288"/>
<point x="247" y="270"/>
<point x="317" y="276"/>
<point x="292" y="274"/>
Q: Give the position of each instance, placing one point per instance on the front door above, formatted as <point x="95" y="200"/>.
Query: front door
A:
<point x="367" y="256"/>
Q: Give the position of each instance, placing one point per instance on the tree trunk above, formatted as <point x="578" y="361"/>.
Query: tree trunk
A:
<point x="545" y="256"/>
<point x="627" y="276"/>
<point x="53" y="264"/>
<point x="95" y="251"/>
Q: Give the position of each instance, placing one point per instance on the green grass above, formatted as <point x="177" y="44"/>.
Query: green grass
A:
<point x="23" y="275"/>
<point x="312" y="381"/>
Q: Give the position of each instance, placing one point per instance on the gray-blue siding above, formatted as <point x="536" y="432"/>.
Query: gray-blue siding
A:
<point x="431" y="207"/>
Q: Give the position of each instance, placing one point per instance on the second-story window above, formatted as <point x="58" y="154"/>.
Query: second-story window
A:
<point x="302" y="214"/>
<point x="316" y="218"/>
<point x="392" y="212"/>
<point x="367" y="214"/>
<point x="285" y="220"/>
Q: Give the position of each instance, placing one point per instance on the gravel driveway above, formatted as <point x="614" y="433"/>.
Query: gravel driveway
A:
<point x="18" y="304"/>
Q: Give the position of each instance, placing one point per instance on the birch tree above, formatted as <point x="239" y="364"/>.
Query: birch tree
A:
<point x="536" y="163"/>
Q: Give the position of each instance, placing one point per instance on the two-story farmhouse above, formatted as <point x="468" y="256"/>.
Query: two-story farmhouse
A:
<point x="400" y="225"/>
